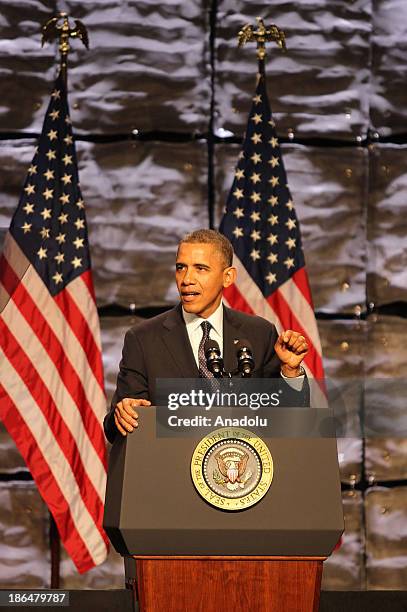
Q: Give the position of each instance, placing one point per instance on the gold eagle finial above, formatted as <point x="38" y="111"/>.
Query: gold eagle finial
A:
<point x="53" y="29"/>
<point x="262" y="35"/>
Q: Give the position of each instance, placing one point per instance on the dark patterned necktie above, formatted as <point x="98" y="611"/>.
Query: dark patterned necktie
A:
<point x="203" y="368"/>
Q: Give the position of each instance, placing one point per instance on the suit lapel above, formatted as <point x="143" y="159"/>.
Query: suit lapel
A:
<point x="177" y="342"/>
<point x="231" y="332"/>
<point x="176" y="339"/>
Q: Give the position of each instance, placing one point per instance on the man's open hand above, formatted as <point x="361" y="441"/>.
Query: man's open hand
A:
<point x="125" y="416"/>
<point x="291" y="349"/>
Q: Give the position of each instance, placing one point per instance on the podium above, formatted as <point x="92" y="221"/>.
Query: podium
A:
<point x="182" y="554"/>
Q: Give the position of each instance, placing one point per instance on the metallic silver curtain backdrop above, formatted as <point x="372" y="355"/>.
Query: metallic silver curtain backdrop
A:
<point x="172" y="71"/>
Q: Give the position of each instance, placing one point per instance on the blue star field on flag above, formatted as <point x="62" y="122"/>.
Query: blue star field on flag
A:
<point x="260" y="219"/>
<point x="49" y="224"/>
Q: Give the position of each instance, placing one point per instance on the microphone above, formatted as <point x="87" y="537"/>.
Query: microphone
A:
<point x="213" y="358"/>
<point x="244" y="354"/>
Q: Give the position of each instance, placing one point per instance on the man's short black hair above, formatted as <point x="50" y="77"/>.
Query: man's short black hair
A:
<point x="209" y="236"/>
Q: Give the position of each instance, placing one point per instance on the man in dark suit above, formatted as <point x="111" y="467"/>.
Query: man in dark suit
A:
<point x="171" y="344"/>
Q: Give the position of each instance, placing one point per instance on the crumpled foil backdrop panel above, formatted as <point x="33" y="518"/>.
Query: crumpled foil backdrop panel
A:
<point x="320" y="87"/>
<point x="24" y="523"/>
<point x="343" y="345"/>
<point x="147" y="66"/>
<point x="386" y="536"/>
<point x="388" y="110"/>
<point x="387" y="225"/>
<point x="141" y="199"/>
<point x="344" y="569"/>
<point x="112" y="331"/>
<point x="385" y="399"/>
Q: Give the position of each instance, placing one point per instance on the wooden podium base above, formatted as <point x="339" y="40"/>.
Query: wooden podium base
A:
<point x="225" y="584"/>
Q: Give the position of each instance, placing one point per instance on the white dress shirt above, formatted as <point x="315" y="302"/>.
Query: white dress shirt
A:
<point x="194" y="329"/>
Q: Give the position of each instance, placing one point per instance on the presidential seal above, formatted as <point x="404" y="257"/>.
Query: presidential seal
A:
<point x="232" y="468"/>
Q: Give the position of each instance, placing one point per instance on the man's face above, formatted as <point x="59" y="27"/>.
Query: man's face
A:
<point x="201" y="274"/>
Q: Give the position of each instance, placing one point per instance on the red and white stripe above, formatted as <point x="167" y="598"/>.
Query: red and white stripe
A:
<point x="289" y="307"/>
<point x="52" y="399"/>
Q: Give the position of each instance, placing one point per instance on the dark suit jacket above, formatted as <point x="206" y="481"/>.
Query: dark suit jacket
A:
<point x="160" y="348"/>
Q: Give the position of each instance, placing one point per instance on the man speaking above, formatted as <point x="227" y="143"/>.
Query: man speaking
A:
<point x="171" y="345"/>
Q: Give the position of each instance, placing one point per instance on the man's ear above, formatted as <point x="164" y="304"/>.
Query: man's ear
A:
<point x="229" y="276"/>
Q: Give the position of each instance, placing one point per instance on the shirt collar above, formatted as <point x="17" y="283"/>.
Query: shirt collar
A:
<point x="216" y="319"/>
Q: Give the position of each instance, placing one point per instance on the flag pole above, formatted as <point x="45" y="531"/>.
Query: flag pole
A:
<point x="55" y="548"/>
<point x="261" y="223"/>
<point x="53" y="28"/>
<point x="58" y="27"/>
<point x="261" y="36"/>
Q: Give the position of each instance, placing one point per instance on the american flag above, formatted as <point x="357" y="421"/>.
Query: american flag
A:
<point x="52" y="397"/>
<point x="261" y="223"/>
